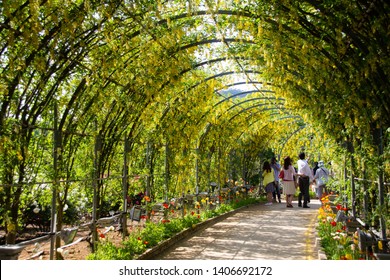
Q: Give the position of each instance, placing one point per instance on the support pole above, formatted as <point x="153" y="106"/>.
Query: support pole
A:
<point x="125" y="187"/>
<point x="343" y="189"/>
<point x="166" y="166"/>
<point x="219" y="186"/>
<point x="95" y="179"/>
<point x="197" y="171"/>
<point x="353" y="187"/>
<point x="53" y="228"/>
<point x="149" y="175"/>
<point x="379" y="140"/>
<point x="365" y="191"/>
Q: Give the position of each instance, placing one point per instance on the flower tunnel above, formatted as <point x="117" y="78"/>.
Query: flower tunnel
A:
<point x="168" y="96"/>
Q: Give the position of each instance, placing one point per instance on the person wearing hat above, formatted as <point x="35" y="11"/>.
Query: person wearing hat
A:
<point x="321" y="177"/>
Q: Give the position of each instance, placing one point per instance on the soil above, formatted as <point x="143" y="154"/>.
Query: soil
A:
<point x="79" y="248"/>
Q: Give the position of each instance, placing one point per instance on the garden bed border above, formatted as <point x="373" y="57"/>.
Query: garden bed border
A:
<point x="162" y="246"/>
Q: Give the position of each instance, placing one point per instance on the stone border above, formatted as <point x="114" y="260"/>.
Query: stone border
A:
<point x="162" y="246"/>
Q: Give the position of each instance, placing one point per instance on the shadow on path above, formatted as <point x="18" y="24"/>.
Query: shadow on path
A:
<point x="256" y="232"/>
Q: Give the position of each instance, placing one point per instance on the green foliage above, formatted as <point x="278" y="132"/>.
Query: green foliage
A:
<point x="319" y="82"/>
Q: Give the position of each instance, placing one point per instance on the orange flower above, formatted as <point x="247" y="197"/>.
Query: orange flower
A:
<point x="101" y="235"/>
<point x="147" y="198"/>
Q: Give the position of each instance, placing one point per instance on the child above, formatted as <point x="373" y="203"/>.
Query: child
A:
<point x="268" y="181"/>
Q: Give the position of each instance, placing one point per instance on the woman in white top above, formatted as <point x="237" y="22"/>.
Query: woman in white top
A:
<point x="288" y="181"/>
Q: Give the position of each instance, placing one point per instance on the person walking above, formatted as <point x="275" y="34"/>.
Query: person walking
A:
<point x="268" y="181"/>
<point x="276" y="168"/>
<point x="314" y="185"/>
<point x="321" y="177"/>
<point x="288" y="177"/>
<point x="305" y="176"/>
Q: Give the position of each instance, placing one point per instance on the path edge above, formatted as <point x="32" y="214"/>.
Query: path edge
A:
<point x="163" y="245"/>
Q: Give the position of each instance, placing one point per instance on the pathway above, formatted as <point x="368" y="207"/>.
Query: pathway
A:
<point x="256" y="232"/>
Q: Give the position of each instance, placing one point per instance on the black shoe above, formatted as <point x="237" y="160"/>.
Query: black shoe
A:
<point x="299" y="205"/>
<point x="305" y="206"/>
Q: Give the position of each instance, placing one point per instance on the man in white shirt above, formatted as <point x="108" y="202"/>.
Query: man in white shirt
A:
<point x="305" y="176"/>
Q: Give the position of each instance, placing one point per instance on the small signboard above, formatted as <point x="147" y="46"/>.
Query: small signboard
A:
<point x="135" y="213"/>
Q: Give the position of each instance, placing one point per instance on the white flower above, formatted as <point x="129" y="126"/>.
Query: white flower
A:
<point x="36" y="210"/>
<point x="65" y="207"/>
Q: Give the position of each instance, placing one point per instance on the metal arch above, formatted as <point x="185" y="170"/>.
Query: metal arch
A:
<point x="285" y="117"/>
<point x="254" y="99"/>
<point x="266" y="109"/>
<point x="220" y="59"/>
<point x="288" y="138"/>
<point x="253" y="107"/>
<point x="242" y="93"/>
<point x="240" y="83"/>
<point x="227" y="74"/>
<point x="209" y="126"/>
<point x="221" y="75"/>
<point x="204" y="42"/>
<point x="202" y="13"/>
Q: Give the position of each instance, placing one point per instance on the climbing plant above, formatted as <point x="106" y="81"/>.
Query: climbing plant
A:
<point x="81" y="78"/>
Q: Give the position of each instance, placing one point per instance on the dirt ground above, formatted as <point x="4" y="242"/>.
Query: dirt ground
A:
<point x="80" y="248"/>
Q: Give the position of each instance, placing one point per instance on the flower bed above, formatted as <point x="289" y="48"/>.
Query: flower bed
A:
<point x="153" y="234"/>
<point x="337" y="242"/>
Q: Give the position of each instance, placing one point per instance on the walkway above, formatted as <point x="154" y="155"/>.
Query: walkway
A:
<point x="257" y="232"/>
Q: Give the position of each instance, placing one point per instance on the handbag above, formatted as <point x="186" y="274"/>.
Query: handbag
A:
<point x="281" y="174"/>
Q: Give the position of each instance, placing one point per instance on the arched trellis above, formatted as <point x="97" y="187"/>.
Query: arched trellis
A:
<point x="250" y="15"/>
<point x="245" y="123"/>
